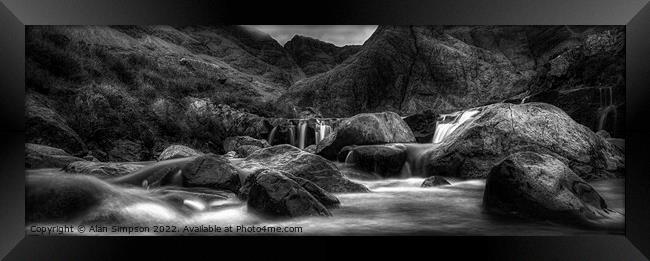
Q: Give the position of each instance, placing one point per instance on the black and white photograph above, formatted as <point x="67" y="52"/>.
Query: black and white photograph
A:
<point x="333" y="130"/>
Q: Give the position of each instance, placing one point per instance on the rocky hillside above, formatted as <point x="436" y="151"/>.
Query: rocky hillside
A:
<point x="124" y="92"/>
<point x="315" y="56"/>
<point x="408" y="69"/>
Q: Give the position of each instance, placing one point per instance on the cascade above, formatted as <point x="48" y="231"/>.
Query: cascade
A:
<point x="302" y="132"/>
<point x="445" y="127"/>
<point x="272" y="135"/>
<point x="607" y="109"/>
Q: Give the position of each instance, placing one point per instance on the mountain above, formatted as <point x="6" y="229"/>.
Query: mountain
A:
<point x="126" y="92"/>
<point x="408" y="69"/>
<point x="315" y="56"/>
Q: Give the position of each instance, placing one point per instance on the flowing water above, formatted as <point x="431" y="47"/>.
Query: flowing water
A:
<point x="445" y="127"/>
<point x="395" y="206"/>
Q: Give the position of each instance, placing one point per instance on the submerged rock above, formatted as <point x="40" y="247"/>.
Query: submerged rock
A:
<point x="541" y="186"/>
<point x="211" y="171"/>
<point x="102" y="169"/>
<point x="365" y="129"/>
<point x="178" y="151"/>
<point x="289" y="159"/>
<point x="273" y="194"/>
<point x="502" y="129"/>
<point x="384" y="160"/>
<point x="434" y="181"/>
<point x="41" y="156"/>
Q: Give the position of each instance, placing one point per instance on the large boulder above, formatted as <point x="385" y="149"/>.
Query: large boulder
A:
<point x="102" y="169"/>
<point x="273" y="194"/>
<point x="62" y="197"/>
<point x="41" y="156"/>
<point x="289" y="159"/>
<point x="503" y="129"/>
<point x="178" y="151"/>
<point x="244" y="145"/>
<point x="45" y="126"/>
<point x="540" y="186"/>
<point x="385" y="160"/>
<point x="211" y="171"/>
<point x="365" y="129"/>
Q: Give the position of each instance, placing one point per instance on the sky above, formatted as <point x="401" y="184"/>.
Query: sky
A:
<point x="339" y="35"/>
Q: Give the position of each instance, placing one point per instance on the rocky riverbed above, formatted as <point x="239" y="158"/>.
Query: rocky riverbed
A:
<point x="504" y="169"/>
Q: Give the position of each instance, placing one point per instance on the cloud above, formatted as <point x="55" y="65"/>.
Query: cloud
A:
<point x="338" y="35"/>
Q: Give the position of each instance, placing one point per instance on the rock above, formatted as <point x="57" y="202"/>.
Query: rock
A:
<point x="102" y="169"/>
<point x="365" y="129"/>
<point x="162" y="173"/>
<point x="289" y="159"/>
<point x="41" y="156"/>
<point x="618" y="144"/>
<point x="328" y="200"/>
<point x="311" y="148"/>
<point x="232" y="143"/>
<point x="604" y="134"/>
<point x="540" y="186"/>
<point x="423" y="125"/>
<point x="230" y="154"/>
<point x="46" y="127"/>
<point x="211" y="171"/>
<point x="434" y="181"/>
<point x="125" y="150"/>
<point x="503" y="129"/>
<point x="62" y="198"/>
<point x="275" y="195"/>
<point x="384" y="160"/>
<point x="178" y="151"/>
<point x="246" y="150"/>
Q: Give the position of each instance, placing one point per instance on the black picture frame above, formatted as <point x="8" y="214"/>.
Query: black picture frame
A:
<point x="634" y="14"/>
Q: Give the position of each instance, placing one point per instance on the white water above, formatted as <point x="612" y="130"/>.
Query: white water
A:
<point x="607" y="108"/>
<point x="445" y="127"/>
<point x="302" y="132"/>
<point x="298" y="133"/>
<point x="395" y="206"/>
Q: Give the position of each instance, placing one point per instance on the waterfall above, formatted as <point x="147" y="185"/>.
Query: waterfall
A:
<point x="322" y="129"/>
<point x="446" y="127"/>
<point x="606" y="109"/>
<point x="302" y="132"/>
<point x="292" y="135"/>
<point x="272" y="135"/>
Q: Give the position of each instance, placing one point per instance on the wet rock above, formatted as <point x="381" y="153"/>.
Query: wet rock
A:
<point x="273" y="194"/>
<point x="311" y="148"/>
<point x="289" y="159"/>
<point x="384" y="160"/>
<point x="540" y="186"/>
<point x="435" y="181"/>
<point x="503" y="129"/>
<point x="365" y="129"/>
<point x="619" y="144"/>
<point x="328" y="200"/>
<point x="178" y="151"/>
<point x="41" y="156"/>
<point x="102" y="169"/>
<point x="211" y="171"/>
